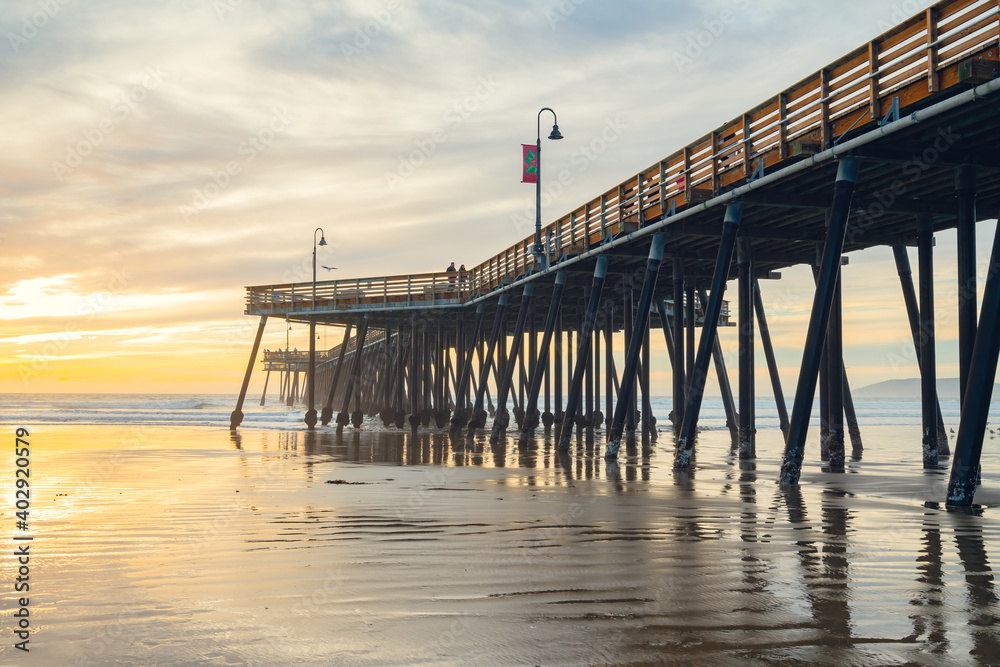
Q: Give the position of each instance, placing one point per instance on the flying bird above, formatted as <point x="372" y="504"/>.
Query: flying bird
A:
<point x="329" y="268"/>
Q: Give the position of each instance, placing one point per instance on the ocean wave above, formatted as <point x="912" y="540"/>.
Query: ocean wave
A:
<point x="214" y="410"/>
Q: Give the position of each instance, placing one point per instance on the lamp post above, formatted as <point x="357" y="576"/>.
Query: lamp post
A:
<point x="311" y="413"/>
<point x="539" y="249"/>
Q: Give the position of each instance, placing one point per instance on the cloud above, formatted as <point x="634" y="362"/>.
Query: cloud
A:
<point x="353" y="117"/>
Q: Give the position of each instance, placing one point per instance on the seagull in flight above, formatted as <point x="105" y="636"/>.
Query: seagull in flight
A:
<point x="329" y="268"/>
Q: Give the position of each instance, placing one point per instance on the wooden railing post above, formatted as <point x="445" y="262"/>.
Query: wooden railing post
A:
<point x="933" y="84"/>
<point x="638" y="198"/>
<point x="663" y="188"/>
<point x="874" y="103"/>
<point x="824" y="108"/>
<point x="747" y="166"/>
<point x="782" y="126"/>
<point x="621" y="208"/>
<point x="686" y="171"/>
<point x="604" y="216"/>
<point x="715" y="162"/>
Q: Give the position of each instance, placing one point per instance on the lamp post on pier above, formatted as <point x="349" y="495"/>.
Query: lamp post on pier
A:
<point x="539" y="250"/>
<point x="311" y="413"/>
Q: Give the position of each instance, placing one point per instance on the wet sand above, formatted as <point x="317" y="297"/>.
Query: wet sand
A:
<point x="170" y="545"/>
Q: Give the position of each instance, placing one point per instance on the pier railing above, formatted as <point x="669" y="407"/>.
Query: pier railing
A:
<point x="913" y="61"/>
<point x="360" y="293"/>
<point x="367" y="293"/>
<point x="295" y="356"/>
<point x="300" y="358"/>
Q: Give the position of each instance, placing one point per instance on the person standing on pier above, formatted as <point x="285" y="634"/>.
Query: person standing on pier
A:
<point x="451" y="271"/>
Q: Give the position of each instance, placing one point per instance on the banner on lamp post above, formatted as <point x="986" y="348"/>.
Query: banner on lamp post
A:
<point x="529" y="163"/>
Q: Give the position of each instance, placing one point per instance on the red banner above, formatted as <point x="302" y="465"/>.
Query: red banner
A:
<point x="529" y="163"/>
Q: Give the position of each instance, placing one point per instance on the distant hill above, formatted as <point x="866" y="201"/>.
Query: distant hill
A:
<point x="909" y="389"/>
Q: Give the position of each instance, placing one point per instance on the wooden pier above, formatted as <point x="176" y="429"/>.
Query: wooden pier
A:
<point x="892" y="143"/>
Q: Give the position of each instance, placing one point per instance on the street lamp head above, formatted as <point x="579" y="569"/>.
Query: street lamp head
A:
<point x="322" y="240"/>
<point x="556" y="134"/>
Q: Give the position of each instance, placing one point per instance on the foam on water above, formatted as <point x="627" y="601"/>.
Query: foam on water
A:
<point x="147" y="409"/>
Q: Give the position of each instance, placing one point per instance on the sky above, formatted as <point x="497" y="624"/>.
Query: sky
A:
<point x="160" y="156"/>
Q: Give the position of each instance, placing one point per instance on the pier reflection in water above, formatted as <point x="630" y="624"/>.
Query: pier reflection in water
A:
<point x="636" y="562"/>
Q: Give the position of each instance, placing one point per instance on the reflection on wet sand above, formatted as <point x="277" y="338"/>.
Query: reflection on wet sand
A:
<point x="981" y="598"/>
<point x="441" y="550"/>
<point x="824" y="564"/>
<point x="929" y="621"/>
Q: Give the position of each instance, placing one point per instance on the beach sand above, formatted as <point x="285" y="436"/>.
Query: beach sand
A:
<point x="186" y="545"/>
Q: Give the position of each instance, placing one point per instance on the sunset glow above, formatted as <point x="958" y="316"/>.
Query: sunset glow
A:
<point x="149" y="175"/>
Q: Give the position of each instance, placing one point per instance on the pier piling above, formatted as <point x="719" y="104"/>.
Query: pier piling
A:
<point x="709" y="337"/>
<point x="847" y="177"/>
<point x="928" y="356"/>
<point x="582" y="359"/>
<point x="748" y="421"/>
<point x="236" y="418"/>
<point x="625" y="402"/>
<point x="344" y="416"/>
<point x="678" y="339"/>
<point x="976" y="406"/>
<point x="531" y="418"/>
<point x="772" y="363"/>
<point x="478" y="419"/>
<point x="502" y="420"/>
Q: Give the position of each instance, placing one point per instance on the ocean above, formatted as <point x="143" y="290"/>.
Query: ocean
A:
<point x="213" y="410"/>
